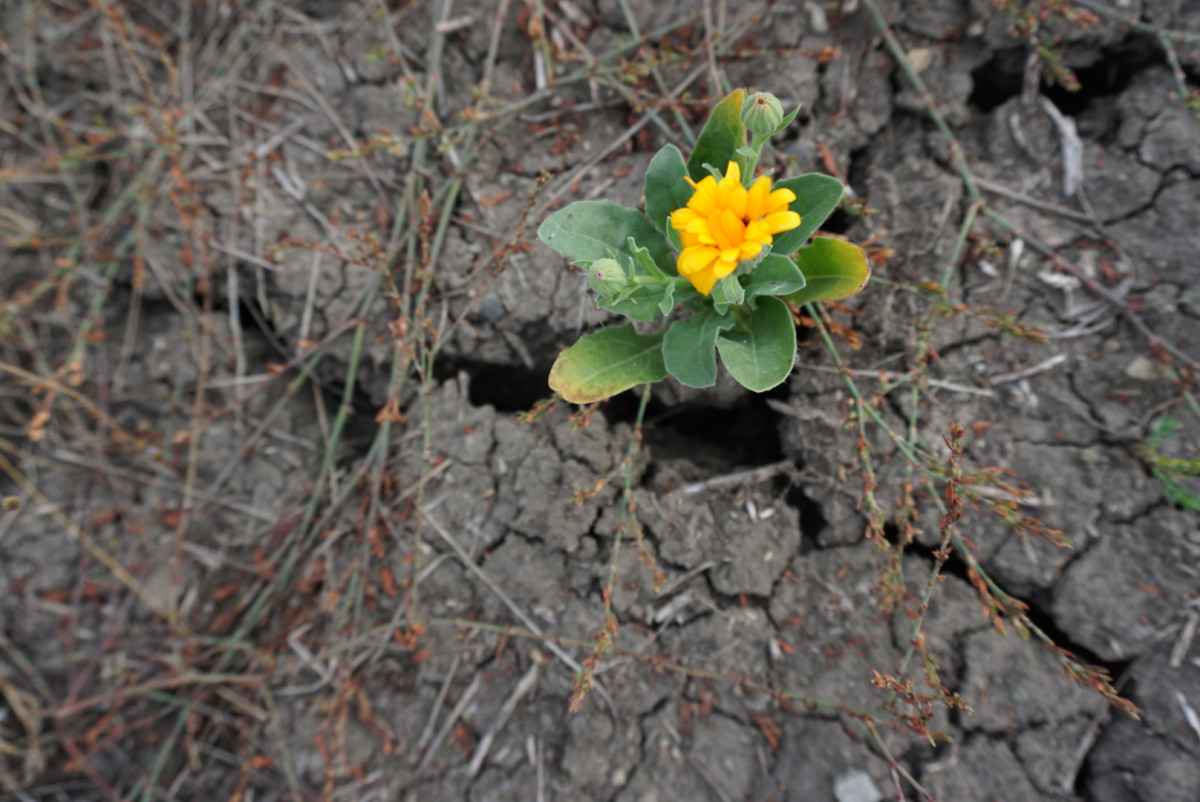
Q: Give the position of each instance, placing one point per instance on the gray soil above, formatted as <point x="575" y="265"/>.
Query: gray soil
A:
<point x="770" y="582"/>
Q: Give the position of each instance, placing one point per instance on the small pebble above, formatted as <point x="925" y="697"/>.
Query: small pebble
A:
<point x="817" y="21"/>
<point x="492" y="309"/>
<point x="856" y="786"/>
<point x="1142" y="369"/>
<point x="920" y="58"/>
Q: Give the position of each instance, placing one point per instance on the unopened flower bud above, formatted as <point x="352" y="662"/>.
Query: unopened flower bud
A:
<point x="606" y="276"/>
<point x="762" y="113"/>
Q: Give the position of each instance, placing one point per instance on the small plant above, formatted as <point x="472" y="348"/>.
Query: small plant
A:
<point x="1169" y="472"/>
<point x="718" y="242"/>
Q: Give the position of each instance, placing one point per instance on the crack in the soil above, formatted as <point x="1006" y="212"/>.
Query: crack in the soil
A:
<point x="1037" y="606"/>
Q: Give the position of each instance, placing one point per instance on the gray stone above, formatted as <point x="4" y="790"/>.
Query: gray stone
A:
<point x="856" y="787"/>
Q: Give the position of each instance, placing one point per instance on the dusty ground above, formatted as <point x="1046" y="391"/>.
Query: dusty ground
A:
<point x="270" y="315"/>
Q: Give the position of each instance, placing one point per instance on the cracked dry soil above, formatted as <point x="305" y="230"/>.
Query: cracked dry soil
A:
<point x="769" y="577"/>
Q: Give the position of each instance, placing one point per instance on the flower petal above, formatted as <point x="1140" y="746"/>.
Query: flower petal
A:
<point x="703" y="281"/>
<point x="722" y="267"/>
<point x="778" y="200"/>
<point x="704" y="200"/>
<point x="732" y="171"/>
<point x="701" y="229"/>
<point x="756" y="196"/>
<point x="696" y="259"/>
<point x="681" y="218"/>
<point x="781" y="221"/>
<point x="720" y="237"/>
<point x="757" y="231"/>
<point x="732" y="227"/>
<point x="750" y="249"/>
<point x="724" y="224"/>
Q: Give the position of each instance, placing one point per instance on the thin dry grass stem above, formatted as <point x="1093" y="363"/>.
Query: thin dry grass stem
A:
<point x="434" y="743"/>
<point x="921" y="703"/>
<point x="567" y="182"/>
<point x="1189" y="98"/>
<point x="37" y="383"/>
<point x="998" y="604"/>
<point x="1036" y="203"/>
<point x="602" y="641"/>
<point x="170" y="158"/>
<point x="1133" y="23"/>
<point x="906" y="513"/>
<point x="524" y="686"/>
<point x="1163" y="350"/>
<point x="785" y="699"/>
<point x="101" y="555"/>
<point x="655" y="73"/>
<point x="534" y="629"/>
<point x="896" y="767"/>
<point x="868" y="503"/>
<point x="224" y="680"/>
<point x="1006" y="321"/>
<point x="418" y="340"/>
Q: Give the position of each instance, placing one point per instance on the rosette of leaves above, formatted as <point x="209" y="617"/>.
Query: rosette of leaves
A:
<point x="630" y="258"/>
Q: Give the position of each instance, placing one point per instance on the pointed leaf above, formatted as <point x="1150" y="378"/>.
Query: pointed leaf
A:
<point x="645" y="261"/>
<point x="637" y="303"/>
<point x="591" y="230"/>
<point x="776" y="275"/>
<point x="607" y="362"/>
<point x="726" y="292"/>
<point x="689" y="347"/>
<point x="647" y="301"/>
<point x="786" y="121"/>
<point x="667" y="302"/>
<point x="761" y="355"/>
<point x="666" y="190"/>
<point x="816" y="197"/>
<point x="832" y="269"/>
<point x="723" y="134"/>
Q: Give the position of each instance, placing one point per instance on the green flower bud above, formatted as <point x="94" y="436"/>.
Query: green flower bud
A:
<point x="606" y="276"/>
<point x="762" y="114"/>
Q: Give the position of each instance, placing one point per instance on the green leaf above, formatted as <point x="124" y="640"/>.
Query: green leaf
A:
<point x="689" y="348"/>
<point x="832" y="269"/>
<point x="723" y="134"/>
<point x="759" y="353"/>
<point x="638" y="303"/>
<point x="591" y="230"/>
<point x="666" y="190"/>
<point x="816" y="197"/>
<point x="647" y="301"/>
<point x="607" y="362"/>
<point x="775" y="275"/>
<point x="726" y="292"/>
<point x="786" y="121"/>
<point x="667" y="302"/>
<point x="685" y="293"/>
<point x="645" y="261"/>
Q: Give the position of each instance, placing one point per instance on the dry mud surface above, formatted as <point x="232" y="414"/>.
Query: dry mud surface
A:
<point x="346" y="689"/>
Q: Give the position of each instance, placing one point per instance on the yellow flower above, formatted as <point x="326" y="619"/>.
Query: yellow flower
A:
<point x="725" y="223"/>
